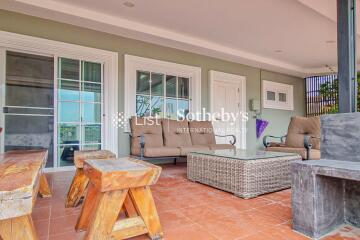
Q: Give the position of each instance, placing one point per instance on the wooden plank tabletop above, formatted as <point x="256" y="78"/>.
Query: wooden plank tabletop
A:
<point x="19" y="174"/>
<point x="121" y="173"/>
<point x="81" y="156"/>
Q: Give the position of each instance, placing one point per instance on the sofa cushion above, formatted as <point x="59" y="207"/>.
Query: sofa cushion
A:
<point x="221" y="146"/>
<point x="314" y="153"/>
<point x="150" y="128"/>
<point x="176" y="133"/>
<point x="301" y="126"/>
<point x="202" y="133"/>
<point x="185" y="150"/>
<point x="150" y="141"/>
<point x="162" y="152"/>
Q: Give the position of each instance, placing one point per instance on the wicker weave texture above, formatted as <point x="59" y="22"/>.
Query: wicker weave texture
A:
<point x="244" y="178"/>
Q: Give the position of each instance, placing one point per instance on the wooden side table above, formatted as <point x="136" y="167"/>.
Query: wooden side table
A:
<point x="111" y="183"/>
<point x="80" y="182"/>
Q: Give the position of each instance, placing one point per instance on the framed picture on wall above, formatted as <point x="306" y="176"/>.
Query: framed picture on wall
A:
<point x="277" y="95"/>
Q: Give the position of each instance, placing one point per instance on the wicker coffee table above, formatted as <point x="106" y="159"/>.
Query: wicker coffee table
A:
<point x="245" y="173"/>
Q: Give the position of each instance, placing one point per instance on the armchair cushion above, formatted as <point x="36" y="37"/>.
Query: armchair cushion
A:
<point x="162" y="152"/>
<point x="314" y="153"/>
<point x="176" y="133"/>
<point x="301" y="126"/>
<point x="275" y="144"/>
<point x="152" y="132"/>
<point x="202" y="133"/>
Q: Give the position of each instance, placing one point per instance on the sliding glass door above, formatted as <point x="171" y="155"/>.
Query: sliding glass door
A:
<point x="52" y="103"/>
<point x="79" y="108"/>
<point x="29" y="103"/>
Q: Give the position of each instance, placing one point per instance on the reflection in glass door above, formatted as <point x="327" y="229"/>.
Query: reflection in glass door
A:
<point x="29" y="103"/>
<point x="79" y="108"/>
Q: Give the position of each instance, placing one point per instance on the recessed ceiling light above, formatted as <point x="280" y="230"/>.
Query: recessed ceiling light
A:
<point x="129" y="4"/>
<point x="279" y="51"/>
<point x="330" y="41"/>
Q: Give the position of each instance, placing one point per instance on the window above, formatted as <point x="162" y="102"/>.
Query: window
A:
<point x="277" y="95"/>
<point x="161" y="95"/>
<point x="79" y="107"/>
<point x="158" y="88"/>
<point x="321" y="95"/>
<point x="37" y="95"/>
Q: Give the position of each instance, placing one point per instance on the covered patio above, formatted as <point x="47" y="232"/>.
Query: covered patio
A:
<point x="179" y="120"/>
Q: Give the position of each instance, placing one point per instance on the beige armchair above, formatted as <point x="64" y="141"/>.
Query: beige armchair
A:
<point x="303" y="138"/>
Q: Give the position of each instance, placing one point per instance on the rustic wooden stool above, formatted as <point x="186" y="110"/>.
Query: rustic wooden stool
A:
<point x="111" y="182"/>
<point x="20" y="179"/>
<point x="80" y="182"/>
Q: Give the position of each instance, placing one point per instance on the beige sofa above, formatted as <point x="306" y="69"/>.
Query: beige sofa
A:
<point x="165" y="138"/>
<point x="303" y="138"/>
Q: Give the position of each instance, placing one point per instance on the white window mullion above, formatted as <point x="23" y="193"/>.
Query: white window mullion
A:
<point x="150" y="94"/>
<point x="57" y="69"/>
<point x="165" y="99"/>
<point x="2" y="95"/>
<point x="81" y="105"/>
<point x="102" y="107"/>
<point x="177" y="96"/>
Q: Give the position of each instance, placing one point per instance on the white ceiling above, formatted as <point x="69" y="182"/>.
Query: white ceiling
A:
<point x="244" y="31"/>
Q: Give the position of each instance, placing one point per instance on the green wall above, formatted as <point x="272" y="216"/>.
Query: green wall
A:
<point x="23" y="24"/>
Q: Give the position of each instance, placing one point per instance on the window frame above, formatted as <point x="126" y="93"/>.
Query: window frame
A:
<point x="41" y="46"/>
<point x="83" y="145"/>
<point x="164" y="97"/>
<point x="277" y="88"/>
<point x="134" y="64"/>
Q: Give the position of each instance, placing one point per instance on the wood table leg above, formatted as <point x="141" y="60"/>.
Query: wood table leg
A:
<point x="105" y="214"/>
<point x="44" y="189"/>
<point x="88" y="207"/>
<point x="145" y="205"/>
<point x="19" y="228"/>
<point x="130" y="210"/>
<point x="77" y="188"/>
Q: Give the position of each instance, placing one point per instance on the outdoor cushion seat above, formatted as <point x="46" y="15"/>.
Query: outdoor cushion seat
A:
<point x="303" y="137"/>
<point x="160" y="138"/>
<point x="221" y="146"/>
<point x="314" y="153"/>
<point x="152" y="134"/>
<point x="162" y="152"/>
<point x="176" y="133"/>
<point x="202" y="133"/>
<point x="185" y="150"/>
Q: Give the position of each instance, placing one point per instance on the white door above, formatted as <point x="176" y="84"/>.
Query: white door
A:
<point x="227" y="104"/>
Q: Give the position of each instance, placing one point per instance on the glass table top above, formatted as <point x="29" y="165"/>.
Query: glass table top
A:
<point x="241" y="154"/>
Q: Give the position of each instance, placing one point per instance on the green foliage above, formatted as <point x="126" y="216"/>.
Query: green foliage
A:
<point x="329" y="93"/>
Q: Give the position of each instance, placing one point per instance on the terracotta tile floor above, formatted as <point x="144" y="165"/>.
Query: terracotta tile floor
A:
<point x="188" y="211"/>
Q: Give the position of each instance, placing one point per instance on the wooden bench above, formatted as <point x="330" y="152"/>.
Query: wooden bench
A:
<point x="80" y="182"/>
<point x="117" y="184"/>
<point x="21" y="178"/>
